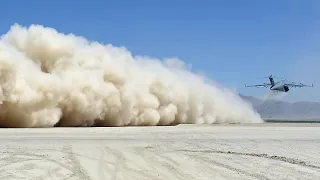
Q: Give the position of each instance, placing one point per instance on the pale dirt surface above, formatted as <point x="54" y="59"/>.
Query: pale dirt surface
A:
<point x="267" y="151"/>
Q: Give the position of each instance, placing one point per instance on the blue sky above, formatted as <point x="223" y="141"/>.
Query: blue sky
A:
<point x="232" y="42"/>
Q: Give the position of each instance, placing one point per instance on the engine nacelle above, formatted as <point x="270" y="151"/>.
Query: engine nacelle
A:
<point x="286" y="88"/>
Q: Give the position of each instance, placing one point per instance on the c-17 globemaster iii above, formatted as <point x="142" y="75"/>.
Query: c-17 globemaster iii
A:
<point x="282" y="85"/>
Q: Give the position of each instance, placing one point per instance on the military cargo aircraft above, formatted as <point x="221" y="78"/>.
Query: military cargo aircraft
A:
<point x="282" y="85"/>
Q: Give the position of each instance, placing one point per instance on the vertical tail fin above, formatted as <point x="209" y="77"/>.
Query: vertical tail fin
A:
<point x="271" y="80"/>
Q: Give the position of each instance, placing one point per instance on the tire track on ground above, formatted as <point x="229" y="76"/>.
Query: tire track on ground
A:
<point x="158" y="160"/>
<point x="213" y="163"/>
<point x="273" y="157"/>
<point x="121" y="165"/>
<point x="237" y="170"/>
<point x="76" y="168"/>
<point x="20" y="160"/>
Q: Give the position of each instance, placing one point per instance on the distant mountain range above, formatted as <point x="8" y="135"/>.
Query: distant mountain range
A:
<point x="274" y="109"/>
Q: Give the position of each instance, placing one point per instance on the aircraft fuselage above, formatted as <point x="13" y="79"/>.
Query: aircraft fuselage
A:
<point x="280" y="87"/>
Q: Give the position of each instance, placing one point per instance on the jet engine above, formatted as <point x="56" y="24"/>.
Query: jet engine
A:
<point x="286" y="88"/>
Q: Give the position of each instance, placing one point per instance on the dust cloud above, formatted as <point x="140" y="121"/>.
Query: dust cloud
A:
<point x="274" y="95"/>
<point x="52" y="79"/>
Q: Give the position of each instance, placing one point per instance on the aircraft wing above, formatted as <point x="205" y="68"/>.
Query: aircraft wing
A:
<point x="259" y="85"/>
<point x="297" y="85"/>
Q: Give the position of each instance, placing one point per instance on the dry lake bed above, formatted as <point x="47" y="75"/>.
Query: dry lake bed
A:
<point x="247" y="151"/>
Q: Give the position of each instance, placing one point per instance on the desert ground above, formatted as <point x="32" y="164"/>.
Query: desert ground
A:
<point x="261" y="151"/>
